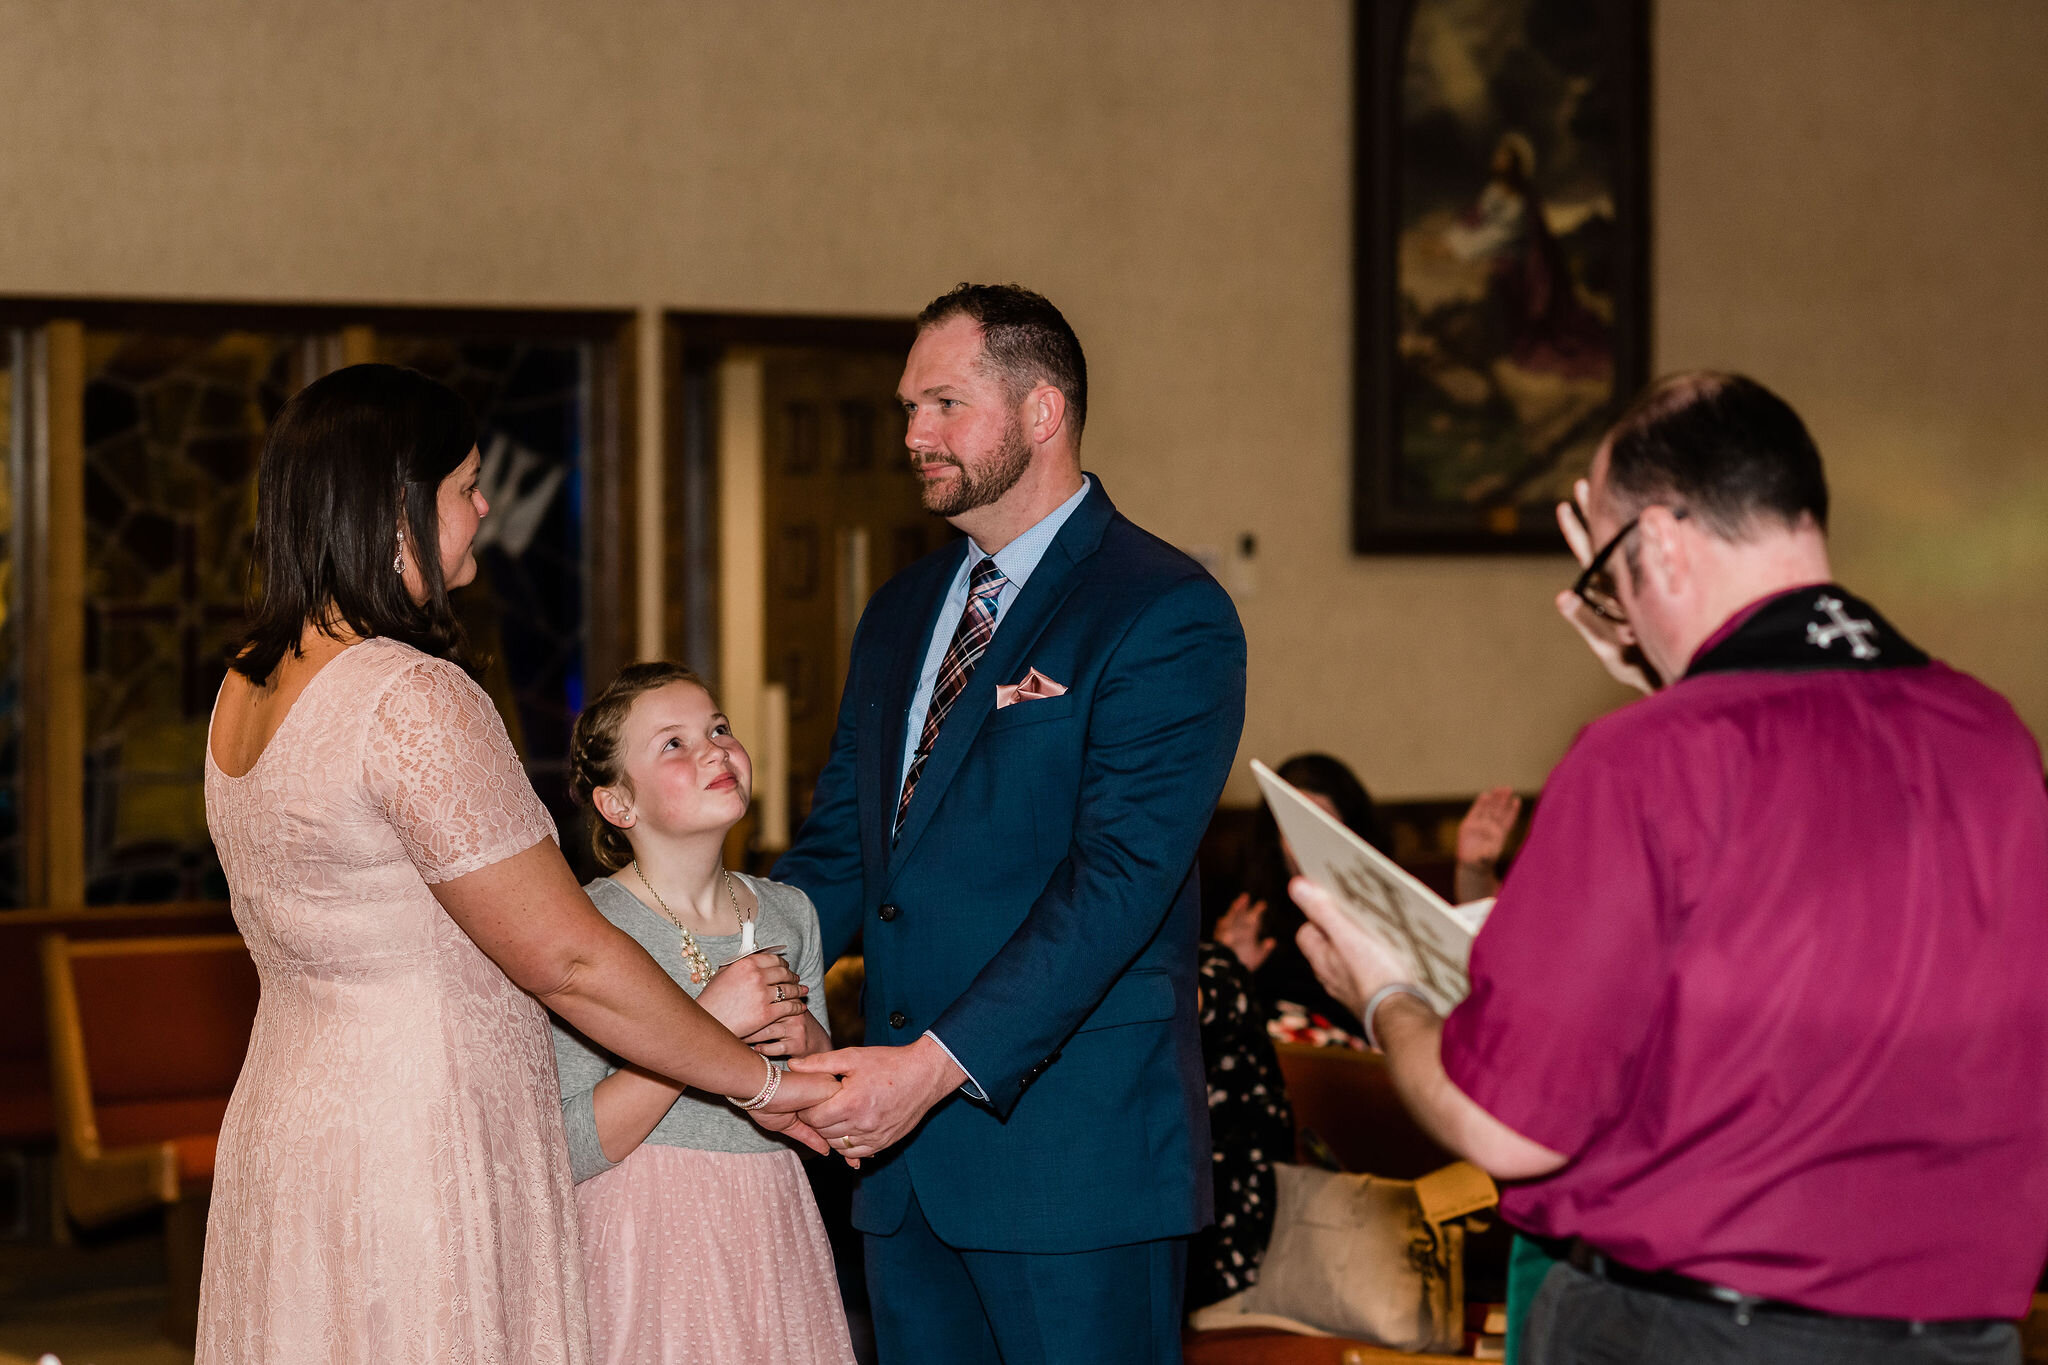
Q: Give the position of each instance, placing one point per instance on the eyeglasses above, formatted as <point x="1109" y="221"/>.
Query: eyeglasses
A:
<point x="1594" y="585"/>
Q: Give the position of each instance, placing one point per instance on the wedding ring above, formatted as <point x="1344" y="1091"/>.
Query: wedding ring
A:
<point x="846" y="1141"/>
<point x="778" y="995"/>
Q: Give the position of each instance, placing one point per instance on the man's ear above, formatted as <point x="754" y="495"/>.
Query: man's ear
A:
<point x="1043" y="414"/>
<point x="612" y="806"/>
<point x="1666" y="557"/>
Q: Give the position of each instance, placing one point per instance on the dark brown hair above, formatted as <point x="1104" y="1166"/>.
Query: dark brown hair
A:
<point x="1722" y="446"/>
<point x="1025" y="341"/>
<point x="349" y="456"/>
<point x="594" y="757"/>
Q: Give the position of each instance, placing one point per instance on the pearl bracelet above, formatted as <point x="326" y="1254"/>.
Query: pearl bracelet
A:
<point x="766" y="1092"/>
<point x="1379" y="997"/>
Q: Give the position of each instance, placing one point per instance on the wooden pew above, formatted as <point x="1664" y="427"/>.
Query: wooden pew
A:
<point x="1346" y="1098"/>
<point x="147" y="1037"/>
<point x="26" y="1115"/>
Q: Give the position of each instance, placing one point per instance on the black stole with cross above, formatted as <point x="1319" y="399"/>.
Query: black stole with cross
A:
<point x="1809" y="629"/>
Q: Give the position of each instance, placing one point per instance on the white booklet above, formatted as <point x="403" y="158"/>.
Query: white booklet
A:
<point x="1432" y="937"/>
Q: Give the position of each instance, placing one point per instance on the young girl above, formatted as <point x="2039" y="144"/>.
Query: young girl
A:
<point x="701" y="1241"/>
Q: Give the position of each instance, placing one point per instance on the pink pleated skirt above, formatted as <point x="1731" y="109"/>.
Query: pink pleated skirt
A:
<point x="709" y="1258"/>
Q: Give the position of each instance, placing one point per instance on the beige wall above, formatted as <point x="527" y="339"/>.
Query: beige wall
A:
<point x="1849" y="204"/>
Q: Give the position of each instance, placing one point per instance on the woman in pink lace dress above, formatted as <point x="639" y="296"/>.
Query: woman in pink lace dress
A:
<point x="393" y="1183"/>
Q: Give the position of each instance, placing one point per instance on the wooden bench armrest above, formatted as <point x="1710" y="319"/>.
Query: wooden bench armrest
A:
<point x="101" y="1187"/>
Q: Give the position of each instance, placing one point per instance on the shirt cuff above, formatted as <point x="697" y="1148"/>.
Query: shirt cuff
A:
<point x="971" y="1088"/>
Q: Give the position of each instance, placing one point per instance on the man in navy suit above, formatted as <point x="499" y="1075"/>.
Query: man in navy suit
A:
<point x="1036" y="725"/>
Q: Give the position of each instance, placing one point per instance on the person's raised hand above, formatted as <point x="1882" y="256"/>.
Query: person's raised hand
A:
<point x="1612" y="642"/>
<point x="1349" y="961"/>
<point x="1482" y="836"/>
<point x="752" y="992"/>
<point x="1241" y="929"/>
<point x="884" y="1092"/>
<point x="1483" y="833"/>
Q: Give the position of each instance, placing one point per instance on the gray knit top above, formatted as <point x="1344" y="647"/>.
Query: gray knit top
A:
<point x="704" y="1122"/>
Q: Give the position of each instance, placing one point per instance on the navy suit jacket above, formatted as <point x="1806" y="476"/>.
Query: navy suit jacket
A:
<point x="1039" y="913"/>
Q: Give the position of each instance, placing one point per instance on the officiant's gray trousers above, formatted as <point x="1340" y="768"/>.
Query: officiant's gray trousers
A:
<point x="1578" y="1319"/>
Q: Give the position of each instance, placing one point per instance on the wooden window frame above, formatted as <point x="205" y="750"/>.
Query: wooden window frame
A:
<point x="52" y="531"/>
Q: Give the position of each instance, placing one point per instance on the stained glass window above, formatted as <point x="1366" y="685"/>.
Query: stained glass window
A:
<point x="11" y="443"/>
<point x="525" y="614"/>
<point x="173" y="428"/>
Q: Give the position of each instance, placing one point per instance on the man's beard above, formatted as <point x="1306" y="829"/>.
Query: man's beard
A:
<point x="984" y="484"/>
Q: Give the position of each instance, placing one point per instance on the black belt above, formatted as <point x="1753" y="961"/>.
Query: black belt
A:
<point x="1584" y="1257"/>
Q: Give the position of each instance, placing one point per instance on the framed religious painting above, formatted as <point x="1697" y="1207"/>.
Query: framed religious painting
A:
<point x="1501" y="262"/>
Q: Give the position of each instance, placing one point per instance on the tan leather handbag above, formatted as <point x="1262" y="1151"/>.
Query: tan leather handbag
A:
<point x="1365" y="1257"/>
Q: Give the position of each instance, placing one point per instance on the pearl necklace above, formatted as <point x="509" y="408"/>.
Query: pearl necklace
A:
<point x="700" y="966"/>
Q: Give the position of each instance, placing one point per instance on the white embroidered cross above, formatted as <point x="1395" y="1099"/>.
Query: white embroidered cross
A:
<point x="1841" y="627"/>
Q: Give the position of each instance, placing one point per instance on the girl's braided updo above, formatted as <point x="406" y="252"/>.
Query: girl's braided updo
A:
<point x="594" y="758"/>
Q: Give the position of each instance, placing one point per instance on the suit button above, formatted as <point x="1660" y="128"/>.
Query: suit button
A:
<point x="887" y="913"/>
<point x="899" y="1019"/>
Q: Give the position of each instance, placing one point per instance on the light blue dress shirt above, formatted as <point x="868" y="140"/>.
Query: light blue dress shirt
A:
<point x="1016" y="560"/>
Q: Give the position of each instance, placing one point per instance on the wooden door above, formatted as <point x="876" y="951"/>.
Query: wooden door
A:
<point x="817" y="508"/>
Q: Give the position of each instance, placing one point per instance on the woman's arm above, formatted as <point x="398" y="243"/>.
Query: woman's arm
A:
<point x="530" y="917"/>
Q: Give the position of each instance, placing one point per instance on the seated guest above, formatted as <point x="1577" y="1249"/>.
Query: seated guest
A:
<point x="1757" y="1025"/>
<point x="1251" y="1126"/>
<point x="1260" y="925"/>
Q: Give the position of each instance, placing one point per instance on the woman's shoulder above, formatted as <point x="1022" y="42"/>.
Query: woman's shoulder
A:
<point x="397" y="679"/>
<point x="394" y="658"/>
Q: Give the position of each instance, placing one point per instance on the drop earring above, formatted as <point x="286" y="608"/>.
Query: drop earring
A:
<point x="398" y="559"/>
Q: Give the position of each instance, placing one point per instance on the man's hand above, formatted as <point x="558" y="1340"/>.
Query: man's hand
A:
<point x="1349" y="962"/>
<point x="1612" y="642"/>
<point x="1242" y="929"/>
<point x="884" y="1092"/>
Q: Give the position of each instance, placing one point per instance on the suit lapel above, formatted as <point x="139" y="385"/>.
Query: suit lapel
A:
<point x="1022" y="624"/>
<point x="884" y="772"/>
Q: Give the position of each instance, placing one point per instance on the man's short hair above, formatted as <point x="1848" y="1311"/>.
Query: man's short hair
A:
<point x="1024" y="342"/>
<point x="1724" y="447"/>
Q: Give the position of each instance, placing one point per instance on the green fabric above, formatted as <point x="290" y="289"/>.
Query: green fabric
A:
<point x="1528" y="1264"/>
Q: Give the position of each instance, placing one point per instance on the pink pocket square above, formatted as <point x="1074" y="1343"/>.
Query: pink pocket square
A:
<point x="1035" y="687"/>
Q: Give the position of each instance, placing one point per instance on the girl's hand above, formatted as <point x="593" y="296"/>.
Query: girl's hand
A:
<point x="753" y="992"/>
<point x="794" y="1128"/>
<point x="796" y="1036"/>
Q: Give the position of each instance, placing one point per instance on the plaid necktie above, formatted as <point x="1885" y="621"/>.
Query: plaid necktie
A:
<point x="970" y="641"/>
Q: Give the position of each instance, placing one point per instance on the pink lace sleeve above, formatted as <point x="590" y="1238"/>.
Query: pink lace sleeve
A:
<point x="440" y="764"/>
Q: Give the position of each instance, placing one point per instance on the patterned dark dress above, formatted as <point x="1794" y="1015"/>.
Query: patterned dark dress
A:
<point x="1251" y="1127"/>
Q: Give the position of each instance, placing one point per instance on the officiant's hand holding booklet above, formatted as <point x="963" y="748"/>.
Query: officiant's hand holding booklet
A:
<point x="1427" y="935"/>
